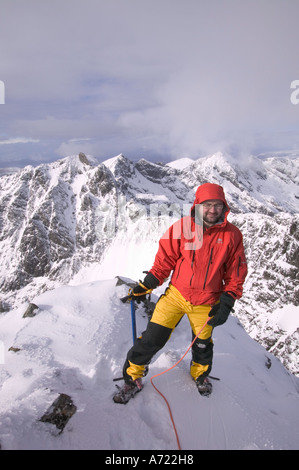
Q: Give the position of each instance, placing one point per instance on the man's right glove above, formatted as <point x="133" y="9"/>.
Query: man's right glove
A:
<point x="221" y="311"/>
<point x="140" y="291"/>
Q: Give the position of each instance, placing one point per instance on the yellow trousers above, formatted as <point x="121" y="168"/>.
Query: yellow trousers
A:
<point x="169" y="310"/>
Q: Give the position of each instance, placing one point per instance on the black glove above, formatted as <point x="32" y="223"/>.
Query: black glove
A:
<point x="221" y="311"/>
<point x="140" y="291"/>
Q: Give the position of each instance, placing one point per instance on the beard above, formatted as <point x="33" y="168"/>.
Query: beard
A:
<point x="211" y="219"/>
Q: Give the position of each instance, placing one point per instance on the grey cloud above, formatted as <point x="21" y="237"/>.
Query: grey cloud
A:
<point x="174" y="78"/>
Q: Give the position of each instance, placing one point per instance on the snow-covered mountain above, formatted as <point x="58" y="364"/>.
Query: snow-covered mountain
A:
<point x="69" y="227"/>
<point x="76" y="345"/>
<point x="74" y="218"/>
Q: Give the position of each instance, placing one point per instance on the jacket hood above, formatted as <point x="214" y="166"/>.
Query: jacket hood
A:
<point x="210" y="191"/>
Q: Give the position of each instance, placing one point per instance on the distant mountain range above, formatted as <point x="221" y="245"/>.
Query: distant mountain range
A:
<point x="61" y="219"/>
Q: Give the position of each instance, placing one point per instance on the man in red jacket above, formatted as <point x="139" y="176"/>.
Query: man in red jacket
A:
<point x="205" y="254"/>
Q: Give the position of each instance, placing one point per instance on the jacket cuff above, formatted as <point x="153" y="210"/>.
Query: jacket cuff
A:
<point x="227" y="297"/>
<point x="150" y="281"/>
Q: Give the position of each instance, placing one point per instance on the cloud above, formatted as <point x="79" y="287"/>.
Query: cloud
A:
<point x="18" y="140"/>
<point x="75" y="146"/>
<point x="155" y="78"/>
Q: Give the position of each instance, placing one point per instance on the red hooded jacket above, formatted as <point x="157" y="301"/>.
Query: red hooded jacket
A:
<point x="205" y="261"/>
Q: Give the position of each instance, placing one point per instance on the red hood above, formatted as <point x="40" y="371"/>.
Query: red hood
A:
<point x="210" y="191"/>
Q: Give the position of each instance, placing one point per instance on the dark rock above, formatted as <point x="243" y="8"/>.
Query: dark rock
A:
<point x="83" y="158"/>
<point x="30" y="312"/>
<point x="13" y="349"/>
<point x="60" y="412"/>
<point x="268" y="362"/>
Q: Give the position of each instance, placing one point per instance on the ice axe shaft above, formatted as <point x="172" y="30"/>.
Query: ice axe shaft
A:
<point x="133" y="316"/>
<point x="133" y="319"/>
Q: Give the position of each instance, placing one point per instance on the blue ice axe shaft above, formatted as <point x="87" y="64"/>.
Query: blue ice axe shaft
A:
<point x="133" y="318"/>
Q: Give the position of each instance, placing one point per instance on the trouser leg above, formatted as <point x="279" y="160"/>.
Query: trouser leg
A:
<point x="202" y="358"/>
<point x="202" y="349"/>
<point x="145" y="347"/>
<point x="168" y="312"/>
<point x="166" y="316"/>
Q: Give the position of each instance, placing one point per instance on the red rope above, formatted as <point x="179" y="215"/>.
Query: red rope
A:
<point x="170" y="368"/>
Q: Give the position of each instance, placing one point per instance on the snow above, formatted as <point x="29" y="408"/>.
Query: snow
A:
<point x="152" y="197"/>
<point x="77" y="343"/>
<point x="286" y="318"/>
<point x="181" y="163"/>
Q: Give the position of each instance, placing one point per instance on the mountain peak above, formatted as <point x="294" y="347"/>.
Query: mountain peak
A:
<point x="181" y="163"/>
<point x="59" y="219"/>
<point x="115" y="162"/>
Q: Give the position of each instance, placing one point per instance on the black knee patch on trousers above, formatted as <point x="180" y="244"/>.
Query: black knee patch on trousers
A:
<point x="202" y="351"/>
<point x="145" y="347"/>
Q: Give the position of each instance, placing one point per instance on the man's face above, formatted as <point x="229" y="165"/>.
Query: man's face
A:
<point x="212" y="211"/>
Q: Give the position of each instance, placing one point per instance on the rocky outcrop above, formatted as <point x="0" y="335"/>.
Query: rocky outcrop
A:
<point x="60" y="412"/>
<point x="48" y="219"/>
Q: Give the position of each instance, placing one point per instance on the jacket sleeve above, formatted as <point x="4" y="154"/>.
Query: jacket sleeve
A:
<point x="168" y="252"/>
<point x="236" y="268"/>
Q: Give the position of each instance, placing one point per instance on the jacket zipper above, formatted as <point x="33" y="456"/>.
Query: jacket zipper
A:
<point x="179" y="268"/>
<point x="192" y="262"/>
<point x="210" y="262"/>
<point x="192" y="258"/>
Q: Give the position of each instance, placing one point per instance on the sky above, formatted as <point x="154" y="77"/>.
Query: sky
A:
<point x="154" y="79"/>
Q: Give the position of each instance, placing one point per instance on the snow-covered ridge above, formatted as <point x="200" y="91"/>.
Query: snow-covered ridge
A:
<point x="181" y="163"/>
<point x="76" y="345"/>
<point x="76" y="218"/>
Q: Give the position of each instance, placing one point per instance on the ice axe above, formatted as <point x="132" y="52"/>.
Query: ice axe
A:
<point x="133" y="319"/>
<point x="130" y="299"/>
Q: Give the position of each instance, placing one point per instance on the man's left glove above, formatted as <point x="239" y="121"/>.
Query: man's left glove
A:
<point x="221" y="311"/>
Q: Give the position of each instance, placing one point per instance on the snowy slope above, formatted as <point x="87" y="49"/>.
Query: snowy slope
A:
<point x="77" y="224"/>
<point x="181" y="163"/>
<point x="76" y="344"/>
<point x="76" y="219"/>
